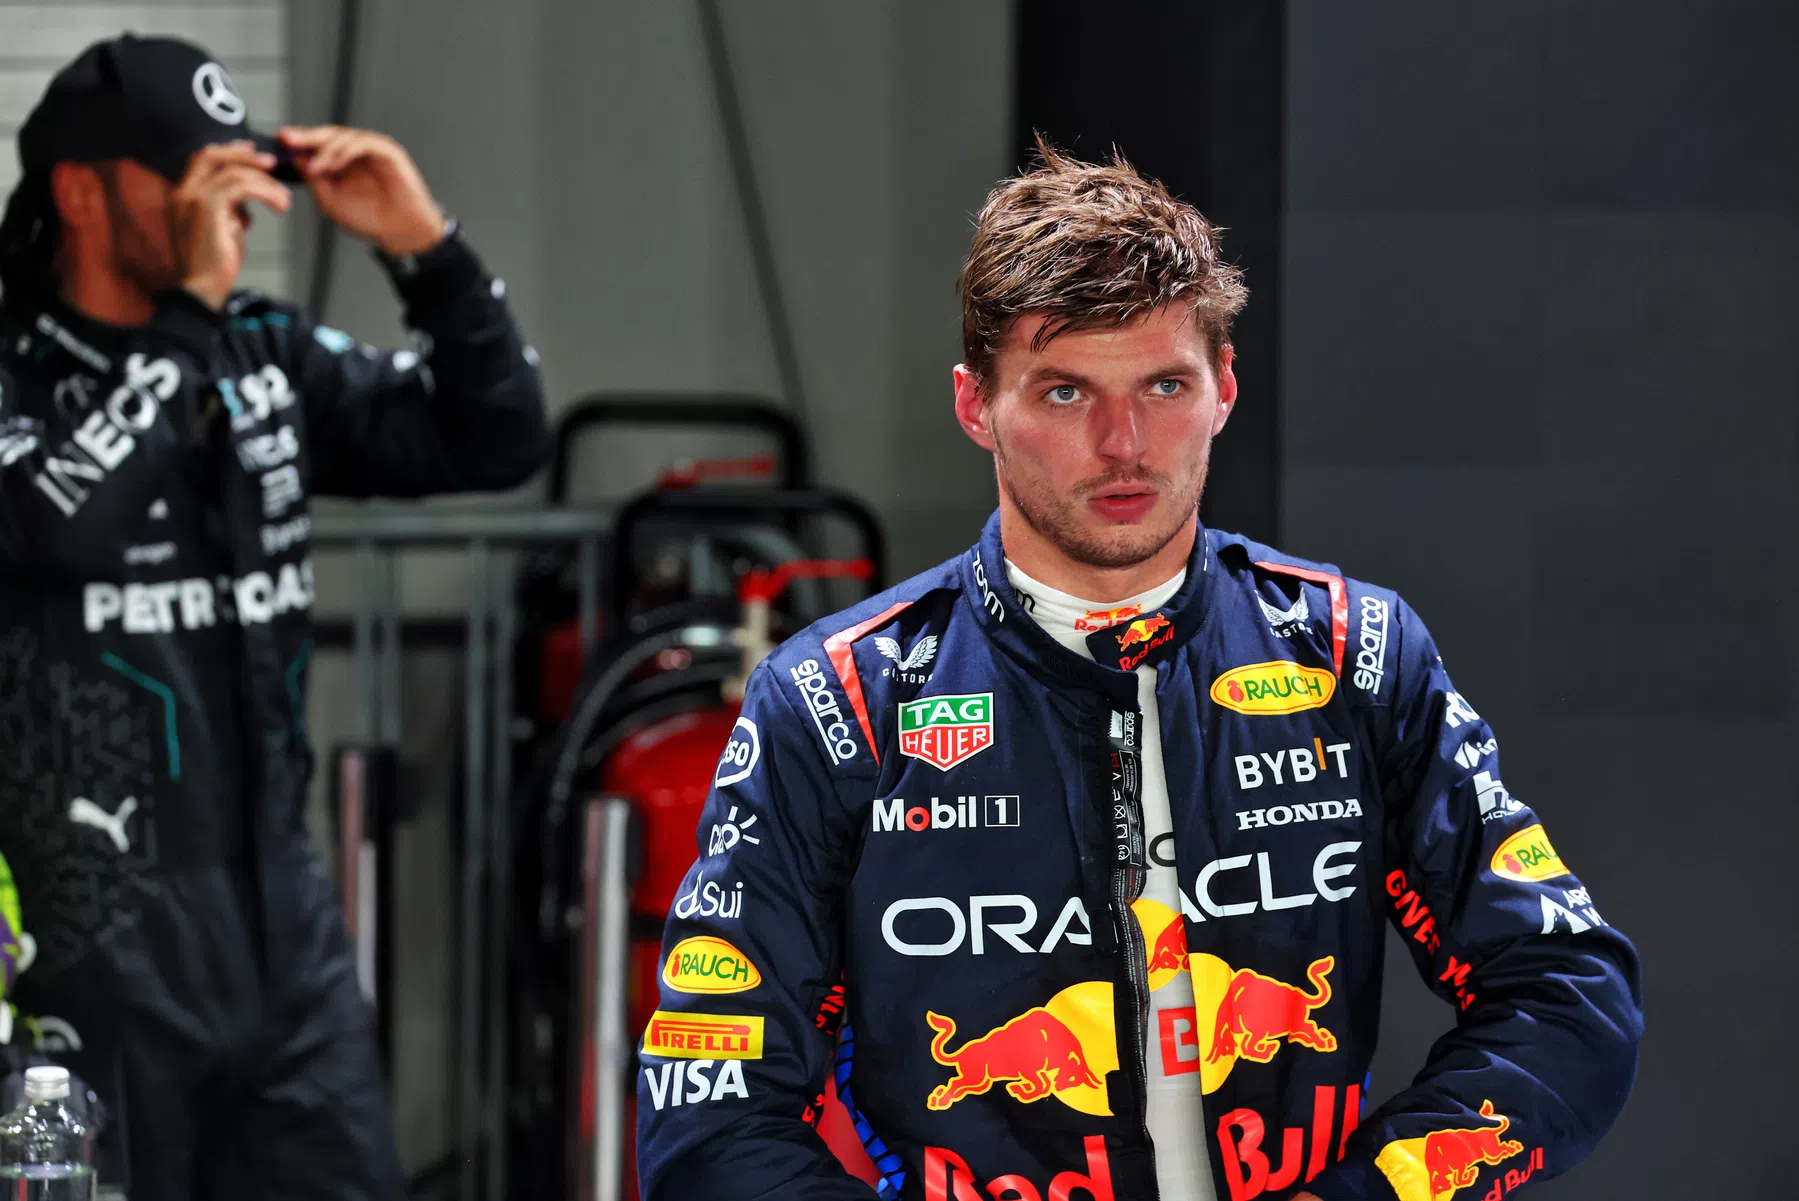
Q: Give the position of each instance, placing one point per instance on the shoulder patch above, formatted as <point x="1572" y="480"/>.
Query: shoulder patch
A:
<point x="837" y="649"/>
<point x="1339" y="594"/>
<point x="1374" y="630"/>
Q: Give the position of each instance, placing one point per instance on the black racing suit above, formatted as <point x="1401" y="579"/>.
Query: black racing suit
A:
<point x="192" y="960"/>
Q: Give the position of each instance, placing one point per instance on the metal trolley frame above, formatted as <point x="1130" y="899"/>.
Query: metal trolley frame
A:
<point x="375" y="536"/>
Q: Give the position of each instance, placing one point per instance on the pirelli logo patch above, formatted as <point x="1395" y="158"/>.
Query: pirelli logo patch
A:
<point x="703" y="1036"/>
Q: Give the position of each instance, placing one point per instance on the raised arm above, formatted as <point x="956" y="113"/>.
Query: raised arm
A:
<point x="461" y="412"/>
<point x="464" y="412"/>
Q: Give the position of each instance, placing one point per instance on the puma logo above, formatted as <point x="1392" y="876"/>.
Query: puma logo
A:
<point x="84" y="812"/>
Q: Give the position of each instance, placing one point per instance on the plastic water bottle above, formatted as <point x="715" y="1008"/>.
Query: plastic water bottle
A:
<point x="46" y="1152"/>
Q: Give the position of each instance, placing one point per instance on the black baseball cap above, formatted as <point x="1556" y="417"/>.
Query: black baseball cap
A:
<point x="153" y="99"/>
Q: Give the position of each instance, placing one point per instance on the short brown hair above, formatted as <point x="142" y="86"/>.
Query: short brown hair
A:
<point x="1089" y="247"/>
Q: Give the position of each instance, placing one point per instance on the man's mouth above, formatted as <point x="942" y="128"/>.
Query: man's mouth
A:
<point x="1124" y="502"/>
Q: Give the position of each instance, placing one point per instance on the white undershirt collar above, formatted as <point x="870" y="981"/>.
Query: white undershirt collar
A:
<point x="1069" y="619"/>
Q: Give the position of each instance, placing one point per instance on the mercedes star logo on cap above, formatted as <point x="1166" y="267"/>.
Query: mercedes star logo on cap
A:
<point x="212" y="88"/>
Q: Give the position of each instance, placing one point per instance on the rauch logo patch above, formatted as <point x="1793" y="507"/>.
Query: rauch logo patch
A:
<point x="946" y="730"/>
<point x="1260" y="689"/>
<point x="1528" y="856"/>
<point x="709" y="965"/>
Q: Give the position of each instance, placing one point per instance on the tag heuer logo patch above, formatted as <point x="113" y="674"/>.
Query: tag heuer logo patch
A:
<point x="946" y="730"/>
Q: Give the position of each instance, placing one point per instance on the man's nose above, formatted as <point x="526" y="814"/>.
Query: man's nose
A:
<point x="1118" y="433"/>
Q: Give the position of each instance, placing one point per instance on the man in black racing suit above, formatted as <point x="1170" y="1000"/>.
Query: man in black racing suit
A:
<point x="160" y="435"/>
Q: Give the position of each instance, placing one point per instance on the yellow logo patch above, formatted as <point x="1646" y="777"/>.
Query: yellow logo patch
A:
<point x="709" y="965"/>
<point x="703" y="1036"/>
<point x="1528" y="856"/>
<point x="1262" y="689"/>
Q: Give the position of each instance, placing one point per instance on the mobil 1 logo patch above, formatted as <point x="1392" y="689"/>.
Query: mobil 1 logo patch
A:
<point x="959" y="813"/>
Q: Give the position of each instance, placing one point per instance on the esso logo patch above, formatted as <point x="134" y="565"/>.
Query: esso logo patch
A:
<point x="741" y="754"/>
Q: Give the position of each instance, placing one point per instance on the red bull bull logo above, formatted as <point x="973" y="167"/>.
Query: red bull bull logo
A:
<point x="947" y="1177"/>
<point x="1164" y="940"/>
<point x="1444" y="1162"/>
<point x="1237" y="1013"/>
<point x="1142" y="631"/>
<point x="1165" y="947"/>
<point x="1145" y="635"/>
<point x="1100" y="619"/>
<point x="1064" y="1048"/>
<point x="1259" y="1011"/>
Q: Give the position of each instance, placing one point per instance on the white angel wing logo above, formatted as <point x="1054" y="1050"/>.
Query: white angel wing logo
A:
<point x="923" y="651"/>
<point x="1277" y="618"/>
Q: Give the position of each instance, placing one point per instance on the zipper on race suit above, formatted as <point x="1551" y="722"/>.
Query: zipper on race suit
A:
<point x="1130" y="867"/>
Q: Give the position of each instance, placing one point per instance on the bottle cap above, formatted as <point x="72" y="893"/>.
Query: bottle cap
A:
<point x="46" y="1083"/>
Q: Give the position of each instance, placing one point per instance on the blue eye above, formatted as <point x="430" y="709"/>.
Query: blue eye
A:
<point x="1064" y="394"/>
<point x="1167" y="387"/>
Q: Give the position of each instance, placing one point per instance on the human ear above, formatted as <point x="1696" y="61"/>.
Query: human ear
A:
<point x="1227" y="388"/>
<point x="973" y="412"/>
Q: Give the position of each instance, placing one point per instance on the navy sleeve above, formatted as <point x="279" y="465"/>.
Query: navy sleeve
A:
<point x="463" y="412"/>
<point x="734" y="1059"/>
<point x="1548" y="997"/>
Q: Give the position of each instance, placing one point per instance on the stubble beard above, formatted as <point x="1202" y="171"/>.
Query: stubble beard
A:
<point x="135" y="257"/>
<point x="1059" y="519"/>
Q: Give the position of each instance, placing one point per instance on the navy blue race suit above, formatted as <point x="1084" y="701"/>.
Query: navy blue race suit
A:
<point x="155" y="592"/>
<point x="919" y="877"/>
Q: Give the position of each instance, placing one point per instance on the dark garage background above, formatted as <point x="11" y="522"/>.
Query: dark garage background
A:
<point x="1541" y="316"/>
<point x="1522" y="344"/>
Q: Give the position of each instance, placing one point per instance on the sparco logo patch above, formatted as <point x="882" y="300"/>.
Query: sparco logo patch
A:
<point x="1371" y="645"/>
<point x="821" y="702"/>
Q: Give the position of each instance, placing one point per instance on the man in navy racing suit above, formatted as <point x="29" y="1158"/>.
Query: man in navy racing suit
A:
<point x="161" y="435"/>
<point x="1068" y="861"/>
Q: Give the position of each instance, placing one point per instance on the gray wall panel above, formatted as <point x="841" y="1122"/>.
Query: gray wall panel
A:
<point x="1541" y="294"/>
